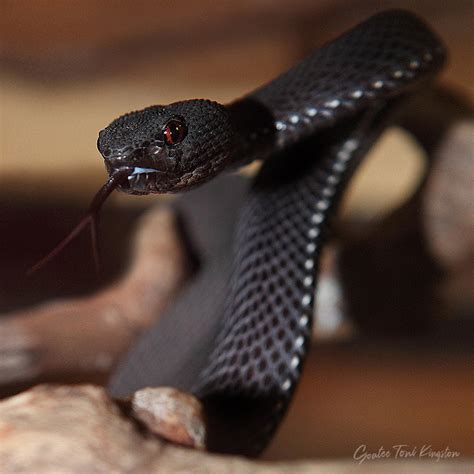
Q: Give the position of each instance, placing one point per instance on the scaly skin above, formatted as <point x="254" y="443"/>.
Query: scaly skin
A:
<point x="312" y="125"/>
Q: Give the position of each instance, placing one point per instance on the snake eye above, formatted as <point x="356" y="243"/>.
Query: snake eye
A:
<point x="174" y="132"/>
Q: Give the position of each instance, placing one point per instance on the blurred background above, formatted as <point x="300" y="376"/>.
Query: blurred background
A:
<point x="69" y="68"/>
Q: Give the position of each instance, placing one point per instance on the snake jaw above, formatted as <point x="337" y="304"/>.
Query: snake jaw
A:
<point x="143" y="181"/>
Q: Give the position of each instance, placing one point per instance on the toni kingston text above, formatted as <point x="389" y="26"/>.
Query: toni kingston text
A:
<point x="404" y="451"/>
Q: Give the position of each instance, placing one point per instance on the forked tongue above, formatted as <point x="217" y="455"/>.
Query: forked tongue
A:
<point x="90" y="219"/>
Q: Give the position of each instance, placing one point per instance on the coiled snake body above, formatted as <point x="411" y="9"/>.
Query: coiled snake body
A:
<point x="311" y="126"/>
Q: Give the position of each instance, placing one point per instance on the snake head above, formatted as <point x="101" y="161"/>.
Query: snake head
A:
<point x="168" y="147"/>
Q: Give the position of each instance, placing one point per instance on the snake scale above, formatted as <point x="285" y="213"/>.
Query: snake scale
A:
<point x="311" y="127"/>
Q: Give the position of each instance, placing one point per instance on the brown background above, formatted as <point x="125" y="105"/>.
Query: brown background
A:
<point x="70" y="67"/>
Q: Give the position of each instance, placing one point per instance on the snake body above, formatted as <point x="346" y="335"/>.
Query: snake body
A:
<point x="311" y="127"/>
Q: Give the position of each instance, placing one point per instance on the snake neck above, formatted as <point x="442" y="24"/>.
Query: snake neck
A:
<point x="255" y="130"/>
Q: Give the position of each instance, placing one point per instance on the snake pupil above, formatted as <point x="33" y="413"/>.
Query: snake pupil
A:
<point x="174" y="132"/>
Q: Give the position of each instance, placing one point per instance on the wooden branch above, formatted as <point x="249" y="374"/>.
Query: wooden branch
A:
<point x="79" y="429"/>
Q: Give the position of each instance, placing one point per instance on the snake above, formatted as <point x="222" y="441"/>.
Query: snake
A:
<point x="310" y="128"/>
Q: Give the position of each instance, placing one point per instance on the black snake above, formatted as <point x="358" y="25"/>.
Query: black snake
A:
<point x="311" y="126"/>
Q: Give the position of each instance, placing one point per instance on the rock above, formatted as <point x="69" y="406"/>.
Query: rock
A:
<point x="172" y="414"/>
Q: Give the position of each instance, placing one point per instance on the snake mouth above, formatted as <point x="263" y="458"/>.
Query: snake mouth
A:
<point x="143" y="181"/>
<point x="149" y="169"/>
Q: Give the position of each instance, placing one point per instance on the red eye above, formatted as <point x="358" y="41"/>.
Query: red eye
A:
<point x="174" y="132"/>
